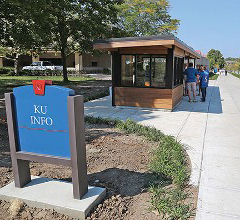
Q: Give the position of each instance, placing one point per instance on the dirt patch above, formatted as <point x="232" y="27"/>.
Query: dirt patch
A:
<point x="91" y="89"/>
<point x="116" y="160"/>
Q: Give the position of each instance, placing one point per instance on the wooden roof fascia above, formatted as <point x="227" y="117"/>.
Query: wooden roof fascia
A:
<point x="195" y="55"/>
<point x="139" y="43"/>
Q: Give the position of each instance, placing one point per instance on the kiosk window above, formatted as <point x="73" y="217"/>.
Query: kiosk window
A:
<point x="158" y="71"/>
<point x="128" y="70"/>
<point x="143" y="70"/>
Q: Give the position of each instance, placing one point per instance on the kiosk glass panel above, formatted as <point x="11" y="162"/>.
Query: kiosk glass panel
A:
<point x="158" y="75"/>
<point x="128" y="69"/>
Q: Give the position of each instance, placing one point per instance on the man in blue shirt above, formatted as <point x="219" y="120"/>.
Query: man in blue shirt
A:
<point x="191" y="80"/>
<point x="204" y="79"/>
<point x="206" y="69"/>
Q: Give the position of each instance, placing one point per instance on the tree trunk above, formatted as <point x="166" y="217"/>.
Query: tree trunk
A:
<point x="64" y="63"/>
<point x="16" y="65"/>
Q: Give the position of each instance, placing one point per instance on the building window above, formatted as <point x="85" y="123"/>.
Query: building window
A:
<point x="128" y="70"/>
<point x="143" y="70"/>
<point x="158" y="71"/>
<point x="94" y="64"/>
<point x="178" y="70"/>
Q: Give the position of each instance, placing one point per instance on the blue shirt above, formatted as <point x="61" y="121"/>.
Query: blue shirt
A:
<point x="204" y="77"/>
<point x="191" y="74"/>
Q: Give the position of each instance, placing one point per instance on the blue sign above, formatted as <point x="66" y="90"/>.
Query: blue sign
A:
<point x="42" y="121"/>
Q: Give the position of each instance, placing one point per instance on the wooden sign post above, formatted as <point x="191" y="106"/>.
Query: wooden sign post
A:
<point x="46" y="125"/>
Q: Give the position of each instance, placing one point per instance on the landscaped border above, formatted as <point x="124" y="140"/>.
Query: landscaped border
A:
<point x="213" y="76"/>
<point x="236" y="75"/>
<point x="168" y="163"/>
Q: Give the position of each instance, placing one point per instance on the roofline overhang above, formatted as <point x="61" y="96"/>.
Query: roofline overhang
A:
<point x="158" y="40"/>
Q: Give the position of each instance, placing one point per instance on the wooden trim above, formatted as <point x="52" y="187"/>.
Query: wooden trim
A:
<point x="148" y="97"/>
<point x="144" y="43"/>
<point x="179" y="52"/>
<point x="143" y="97"/>
<point x="196" y="55"/>
<point x="132" y="44"/>
<point x="41" y="158"/>
<point x="177" y="94"/>
<point x="21" y="169"/>
<point x="75" y="107"/>
<point x="144" y="50"/>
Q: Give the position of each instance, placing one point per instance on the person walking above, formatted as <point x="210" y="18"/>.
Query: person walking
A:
<point x="198" y="83"/>
<point x="204" y="80"/>
<point x="190" y="75"/>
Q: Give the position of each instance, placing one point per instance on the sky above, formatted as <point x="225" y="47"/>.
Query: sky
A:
<point x="209" y="24"/>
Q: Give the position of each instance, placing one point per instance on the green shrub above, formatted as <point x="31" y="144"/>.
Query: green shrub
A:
<point x="6" y="70"/>
<point x="213" y="76"/>
<point x="40" y="73"/>
<point x="170" y="203"/>
<point x="106" y="71"/>
<point x="236" y="75"/>
<point x="97" y="96"/>
<point x="151" y="133"/>
<point x="169" y="159"/>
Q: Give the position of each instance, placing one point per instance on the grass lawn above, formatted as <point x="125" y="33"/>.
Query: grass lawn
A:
<point x="236" y="75"/>
<point x="9" y="82"/>
<point x="213" y="76"/>
<point x="22" y="80"/>
<point x="89" y="87"/>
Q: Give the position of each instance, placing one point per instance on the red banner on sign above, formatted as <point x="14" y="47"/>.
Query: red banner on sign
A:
<point x="39" y="86"/>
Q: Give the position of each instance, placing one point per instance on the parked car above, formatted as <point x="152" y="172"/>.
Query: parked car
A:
<point x="42" y="65"/>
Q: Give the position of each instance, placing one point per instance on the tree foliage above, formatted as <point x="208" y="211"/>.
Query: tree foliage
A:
<point x="231" y="59"/>
<point x="29" y="26"/>
<point x="63" y="25"/>
<point x="234" y="66"/>
<point x="146" y="17"/>
<point x="216" y="59"/>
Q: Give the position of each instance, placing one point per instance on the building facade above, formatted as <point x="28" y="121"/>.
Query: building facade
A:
<point x="75" y="61"/>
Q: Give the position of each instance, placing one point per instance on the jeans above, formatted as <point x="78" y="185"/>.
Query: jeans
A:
<point x="204" y="93"/>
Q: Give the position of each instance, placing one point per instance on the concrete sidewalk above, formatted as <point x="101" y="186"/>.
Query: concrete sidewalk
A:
<point x="219" y="189"/>
<point x="210" y="132"/>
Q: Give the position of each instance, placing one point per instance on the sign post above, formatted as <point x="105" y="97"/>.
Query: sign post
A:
<point x="46" y="125"/>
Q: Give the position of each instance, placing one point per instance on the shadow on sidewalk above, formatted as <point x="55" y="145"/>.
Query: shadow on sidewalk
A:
<point x="212" y="105"/>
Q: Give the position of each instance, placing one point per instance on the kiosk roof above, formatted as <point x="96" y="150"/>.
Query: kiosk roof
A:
<point x="156" y="40"/>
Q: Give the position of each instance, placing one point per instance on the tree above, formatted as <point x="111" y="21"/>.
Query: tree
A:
<point x="146" y="17"/>
<point x="231" y="59"/>
<point x="237" y="64"/>
<point x="216" y="59"/>
<point x="63" y="25"/>
<point x="19" y="33"/>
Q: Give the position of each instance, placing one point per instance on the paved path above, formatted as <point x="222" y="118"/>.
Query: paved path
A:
<point x="219" y="190"/>
<point x="210" y="132"/>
